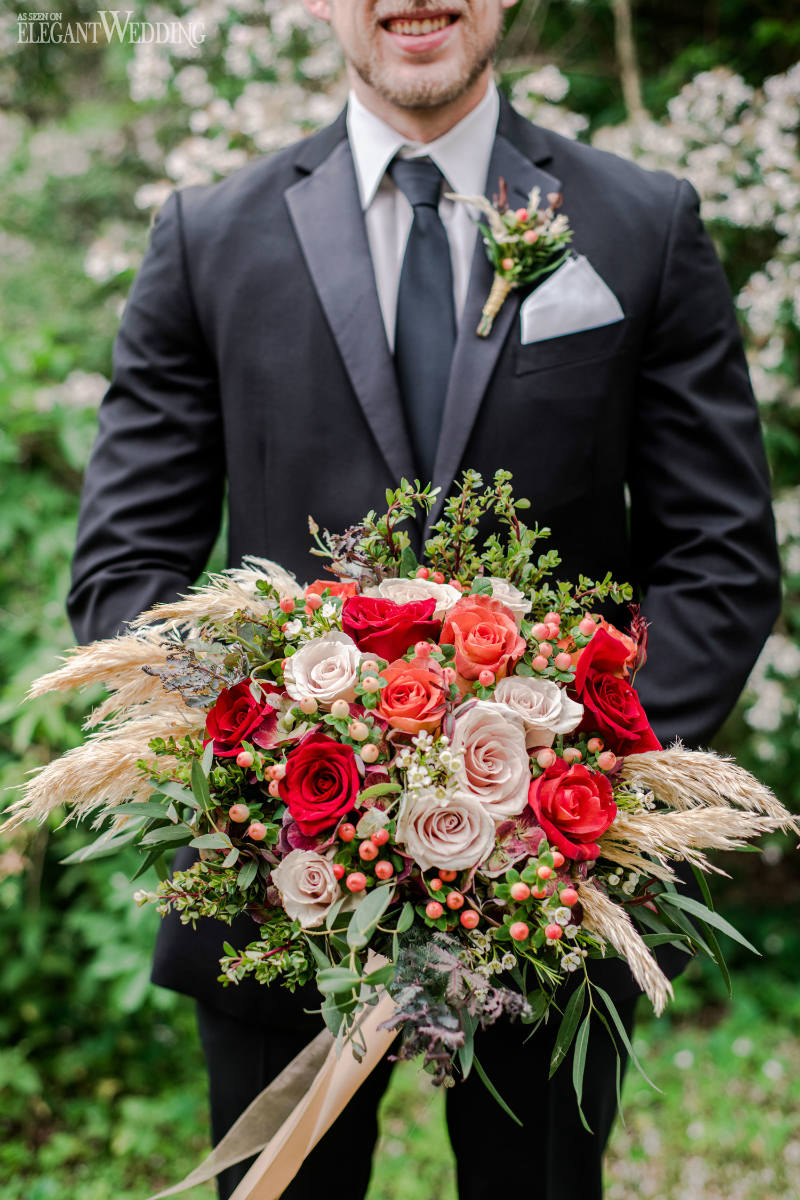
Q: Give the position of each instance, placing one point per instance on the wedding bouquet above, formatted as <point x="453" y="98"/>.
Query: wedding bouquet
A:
<point x="435" y="781"/>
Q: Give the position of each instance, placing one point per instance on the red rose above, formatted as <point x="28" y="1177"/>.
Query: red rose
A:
<point x="321" y="782"/>
<point x="611" y="706"/>
<point x="235" y="717"/>
<point x="574" y="806"/>
<point x="604" y="654"/>
<point x="335" y="587"/>
<point x="485" y="635"/>
<point x="379" y="626"/>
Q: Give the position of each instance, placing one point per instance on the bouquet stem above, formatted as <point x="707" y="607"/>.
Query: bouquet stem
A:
<point x="496" y="299"/>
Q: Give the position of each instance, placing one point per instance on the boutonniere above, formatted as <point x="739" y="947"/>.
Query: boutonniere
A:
<point x="522" y="244"/>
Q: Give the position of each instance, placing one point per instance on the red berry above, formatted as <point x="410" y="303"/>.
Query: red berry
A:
<point x="448" y="876"/>
<point x="587" y="626"/>
<point x="423" y="572"/>
<point x="486" y="678"/>
<point x="380" y="837"/>
<point x="313" y="602"/>
<point x="435" y="884"/>
<point x="568" y="896"/>
<point x="356" y="881"/>
<point x="454" y="900"/>
<point x="384" y="869"/>
<point x="238" y="812"/>
<point x="434" y="910"/>
<point x="438" y="577"/>
<point x="423" y="649"/>
<point x="287" y="604"/>
<point x="469" y="918"/>
<point x="519" y="931"/>
<point x="520" y="892"/>
<point x="558" y="859"/>
<point x="507" y="264"/>
<point x="338" y="870"/>
<point x="244" y="759"/>
<point x="544" y="872"/>
<point x="368" y="851"/>
<point x="347" y="831"/>
<point x="257" y="831"/>
<point x="539" y="893"/>
<point x="553" y="932"/>
<point x="607" y="760"/>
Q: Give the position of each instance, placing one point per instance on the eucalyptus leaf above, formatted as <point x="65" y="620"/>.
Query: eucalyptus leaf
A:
<point x="107" y="843"/>
<point x="493" y="1092"/>
<point x="366" y="916"/>
<point x="566" y="1030"/>
<point x="579" y="1065"/>
<point x="167" y="835"/>
<point x="704" y="913"/>
<point x="247" y="873"/>
<point x="200" y="786"/>
<point x="211" y="841"/>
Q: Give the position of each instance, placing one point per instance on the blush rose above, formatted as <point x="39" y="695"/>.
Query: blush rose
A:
<point x="452" y="833"/>
<point x="307" y="885"/>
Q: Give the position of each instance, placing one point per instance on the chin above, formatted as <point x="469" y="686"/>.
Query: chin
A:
<point x="427" y="85"/>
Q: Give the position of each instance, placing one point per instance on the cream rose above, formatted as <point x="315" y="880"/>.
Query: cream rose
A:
<point x="489" y="738"/>
<point x="452" y="832"/>
<point x="544" y="707"/>
<point x="512" y="597"/>
<point x="325" y="668"/>
<point x="403" y="591"/>
<point x="307" y="885"/>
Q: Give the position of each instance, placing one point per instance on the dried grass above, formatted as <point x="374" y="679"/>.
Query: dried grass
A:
<point x="611" y="923"/>
<point x="223" y="595"/>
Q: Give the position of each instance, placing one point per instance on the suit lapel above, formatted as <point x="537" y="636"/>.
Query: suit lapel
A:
<point x="325" y="209"/>
<point x="475" y="358"/>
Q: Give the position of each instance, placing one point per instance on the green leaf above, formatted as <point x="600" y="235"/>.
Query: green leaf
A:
<point x="711" y="937"/>
<point x="486" y="1081"/>
<point x="406" y="918"/>
<point x="709" y="916"/>
<point x="332" y="1015"/>
<point x="367" y="915"/>
<point x="379" y="789"/>
<point x="623" y="1033"/>
<point x="247" y="873"/>
<point x="141" y="808"/>
<point x="579" y="1064"/>
<point x="466" y="1052"/>
<point x="152" y="858"/>
<point x="317" y="953"/>
<point x="211" y="841"/>
<point x="332" y="981"/>
<point x="408" y="562"/>
<point x="160" y="868"/>
<point x="231" y="857"/>
<point x="566" y="1030"/>
<point x="229" y="950"/>
<point x="176" y="792"/>
<point x="166" y="835"/>
<point x="208" y="757"/>
<point x="381" y="977"/>
<point x="200" y="785"/>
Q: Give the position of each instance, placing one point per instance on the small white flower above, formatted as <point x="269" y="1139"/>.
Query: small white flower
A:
<point x="292" y="628"/>
<point x="508" y="961"/>
<point x="329" y="611"/>
<point x="613" y="880"/>
<point x="571" y="961"/>
<point x="571" y="931"/>
<point x="563" y="916"/>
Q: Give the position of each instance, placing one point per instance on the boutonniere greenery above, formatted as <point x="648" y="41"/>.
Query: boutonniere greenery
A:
<point x="522" y="244"/>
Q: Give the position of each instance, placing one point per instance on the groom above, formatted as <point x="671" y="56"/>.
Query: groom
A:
<point x="303" y="334"/>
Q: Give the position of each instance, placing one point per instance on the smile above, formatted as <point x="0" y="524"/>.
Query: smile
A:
<point x="418" y="27"/>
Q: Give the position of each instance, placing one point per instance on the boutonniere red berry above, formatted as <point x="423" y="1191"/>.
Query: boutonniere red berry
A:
<point x="522" y="244"/>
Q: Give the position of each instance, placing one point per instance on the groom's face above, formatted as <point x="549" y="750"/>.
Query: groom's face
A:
<point x="416" y="53"/>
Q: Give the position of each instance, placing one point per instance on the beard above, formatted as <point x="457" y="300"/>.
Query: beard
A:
<point x="430" y="85"/>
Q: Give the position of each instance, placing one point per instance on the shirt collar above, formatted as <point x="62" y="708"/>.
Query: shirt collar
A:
<point x="462" y="154"/>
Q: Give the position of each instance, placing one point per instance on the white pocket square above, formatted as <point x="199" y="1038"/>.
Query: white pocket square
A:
<point x="572" y="300"/>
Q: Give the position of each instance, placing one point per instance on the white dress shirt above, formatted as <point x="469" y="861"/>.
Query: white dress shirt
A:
<point x="462" y="155"/>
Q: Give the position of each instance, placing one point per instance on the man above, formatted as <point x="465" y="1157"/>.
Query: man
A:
<point x="305" y="331"/>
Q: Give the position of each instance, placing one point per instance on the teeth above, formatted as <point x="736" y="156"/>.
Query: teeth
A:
<point x="417" y="28"/>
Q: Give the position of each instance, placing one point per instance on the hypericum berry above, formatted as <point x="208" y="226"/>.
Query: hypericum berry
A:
<point x="568" y="896"/>
<point x="539" y="893"/>
<point x="358" y="730"/>
<point x="435" y="884"/>
<point x="384" y="869"/>
<point x="368" y="851"/>
<point x="340" y="709"/>
<point x="244" y="759"/>
<point x="356" y="881"/>
<point x="519" y="931"/>
<point x="486" y="677"/>
<point x="308" y="705"/>
<point x="553" y="632"/>
<point x="469" y="918"/>
<point x="530" y="236"/>
<point x="539" y="663"/>
<point x="434" y="910"/>
<point x="313" y="602"/>
<point x="369" y="753"/>
<point x="274" y="789"/>
<point x="238" y="812"/>
<point x="558" y="859"/>
<point x="347" y="831"/>
<point x="553" y="618"/>
<point x="507" y="264"/>
<point x="595" y="745"/>
<point x="276" y="771"/>
<point x="448" y="876"/>
<point x="257" y="831"/>
<point x="544" y="872"/>
<point x="438" y="577"/>
<point x="449" y="675"/>
<point x="520" y="892"/>
<point x="423" y="649"/>
<point x="454" y="900"/>
<point x="369" y="666"/>
<point x="539" y="631"/>
<point x="563" y="661"/>
<point x="380" y="837"/>
<point x="338" y="870"/>
<point x="545" y="650"/>
<point x="571" y="755"/>
<point x="607" y="760"/>
<point x="423" y="572"/>
<point x="546" y="757"/>
<point x="287" y="604"/>
<point x="371" y="683"/>
<point x="553" y="932"/>
<point x="521" y="215"/>
<point x="587" y="626"/>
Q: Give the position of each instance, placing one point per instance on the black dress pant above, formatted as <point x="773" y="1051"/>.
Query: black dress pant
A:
<point x="562" y="1161"/>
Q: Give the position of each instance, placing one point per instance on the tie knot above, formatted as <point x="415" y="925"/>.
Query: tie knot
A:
<point x="419" y="179"/>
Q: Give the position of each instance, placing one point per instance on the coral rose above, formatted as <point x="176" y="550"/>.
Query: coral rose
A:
<point x="574" y="806"/>
<point x="485" y="635"/>
<point x="307" y="885"/>
<point x="379" y="626"/>
<point x="414" y="696"/>
<point x="335" y="587"/>
<point x="321" y="782"/>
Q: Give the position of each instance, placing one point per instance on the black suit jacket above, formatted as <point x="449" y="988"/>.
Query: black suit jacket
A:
<point x="252" y="352"/>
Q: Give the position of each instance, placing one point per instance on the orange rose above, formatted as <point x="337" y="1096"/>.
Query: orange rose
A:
<point x="414" y="697"/>
<point x="485" y="635"/>
<point x="336" y="587"/>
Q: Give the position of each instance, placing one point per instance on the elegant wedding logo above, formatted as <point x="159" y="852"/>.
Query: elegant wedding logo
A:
<point x="38" y="28"/>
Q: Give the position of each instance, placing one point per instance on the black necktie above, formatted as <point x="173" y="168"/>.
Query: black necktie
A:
<point x="425" y="331"/>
